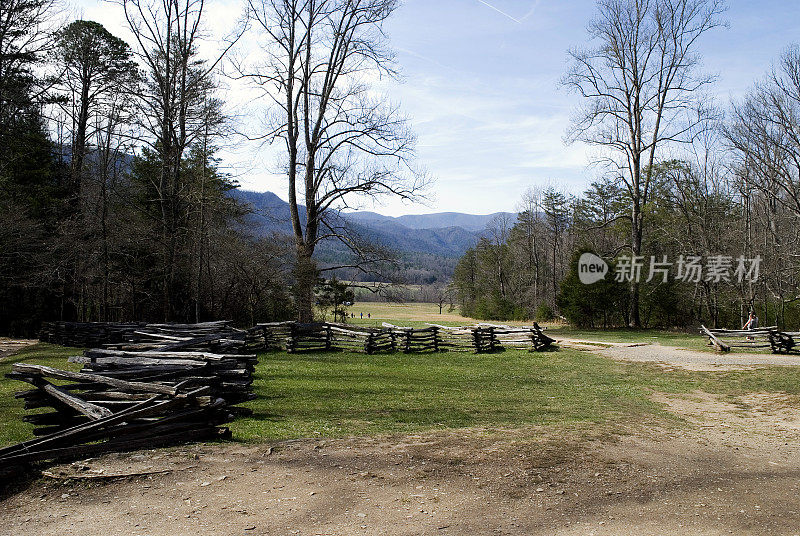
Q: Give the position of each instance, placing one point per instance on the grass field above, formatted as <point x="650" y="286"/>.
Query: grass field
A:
<point x="12" y="429"/>
<point x="342" y="394"/>
<point x="407" y="314"/>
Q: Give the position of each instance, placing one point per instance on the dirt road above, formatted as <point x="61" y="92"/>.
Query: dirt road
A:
<point x="734" y="471"/>
<point x="693" y="359"/>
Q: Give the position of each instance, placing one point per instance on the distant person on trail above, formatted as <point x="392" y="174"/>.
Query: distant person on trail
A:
<point x="369" y="315"/>
<point x="751" y="324"/>
<point x="362" y="316"/>
<point x="752" y="321"/>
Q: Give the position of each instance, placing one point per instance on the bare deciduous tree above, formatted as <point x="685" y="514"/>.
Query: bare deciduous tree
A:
<point x="764" y="134"/>
<point x="342" y="141"/>
<point x="641" y="90"/>
<point x="176" y="107"/>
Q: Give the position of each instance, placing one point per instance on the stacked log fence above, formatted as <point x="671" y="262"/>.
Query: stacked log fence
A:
<point x="314" y="337"/>
<point x="531" y="337"/>
<point x="784" y="342"/>
<point x="88" y="334"/>
<point x="412" y="340"/>
<point x="141" y="335"/>
<point x="469" y="339"/>
<point x="294" y="337"/>
<point x="362" y="339"/>
<point x="267" y="337"/>
<point x="175" y="389"/>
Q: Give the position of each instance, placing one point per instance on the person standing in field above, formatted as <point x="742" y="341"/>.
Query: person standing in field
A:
<point x="751" y="324"/>
<point x="752" y="321"/>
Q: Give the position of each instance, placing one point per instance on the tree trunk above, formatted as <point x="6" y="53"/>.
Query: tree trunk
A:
<point x="79" y="141"/>
<point x="636" y="250"/>
<point x="305" y="278"/>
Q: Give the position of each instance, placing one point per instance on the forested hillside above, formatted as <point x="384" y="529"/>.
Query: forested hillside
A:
<point x="421" y="255"/>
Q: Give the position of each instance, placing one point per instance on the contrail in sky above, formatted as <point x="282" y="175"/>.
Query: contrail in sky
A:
<point x="487" y="4"/>
<point x="531" y="10"/>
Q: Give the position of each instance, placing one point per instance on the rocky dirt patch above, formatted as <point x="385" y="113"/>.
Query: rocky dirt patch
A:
<point x="10" y="347"/>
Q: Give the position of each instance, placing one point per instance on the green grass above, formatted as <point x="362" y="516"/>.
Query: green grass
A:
<point x="338" y="394"/>
<point x="12" y="429"/>
<point x="342" y="394"/>
<point x="667" y="338"/>
<point x="406" y="314"/>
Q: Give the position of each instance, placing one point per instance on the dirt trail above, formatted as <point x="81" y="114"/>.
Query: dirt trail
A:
<point x="735" y="470"/>
<point x="694" y="359"/>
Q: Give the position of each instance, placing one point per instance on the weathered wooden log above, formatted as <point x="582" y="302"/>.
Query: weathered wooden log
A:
<point x="68" y="375"/>
<point x="782" y="342"/>
<point x="86" y="408"/>
<point x="180" y="385"/>
<point x="713" y="339"/>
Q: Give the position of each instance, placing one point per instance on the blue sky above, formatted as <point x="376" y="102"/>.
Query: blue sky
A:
<point x="480" y="87"/>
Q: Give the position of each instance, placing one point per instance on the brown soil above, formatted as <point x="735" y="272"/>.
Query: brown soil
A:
<point x="731" y="468"/>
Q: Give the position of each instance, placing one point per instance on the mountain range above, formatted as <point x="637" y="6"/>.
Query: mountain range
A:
<point x="448" y="234"/>
<point x="421" y="240"/>
<point x="438" y="220"/>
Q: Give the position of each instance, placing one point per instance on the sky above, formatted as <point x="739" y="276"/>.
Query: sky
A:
<point x="480" y="87"/>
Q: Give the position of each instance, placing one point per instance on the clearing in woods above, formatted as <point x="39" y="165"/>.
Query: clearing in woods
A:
<point x="567" y="442"/>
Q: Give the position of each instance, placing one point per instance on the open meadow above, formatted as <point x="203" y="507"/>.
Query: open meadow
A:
<point x="562" y="442"/>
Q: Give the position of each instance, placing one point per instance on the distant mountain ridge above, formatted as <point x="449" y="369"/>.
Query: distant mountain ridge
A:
<point x="438" y="220"/>
<point x="428" y="246"/>
<point x="447" y="234"/>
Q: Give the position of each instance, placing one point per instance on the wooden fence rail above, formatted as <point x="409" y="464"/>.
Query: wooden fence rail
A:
<point x="177" y="387"/>
<point x="779" y="342"/>
<point x="221" y="337"/>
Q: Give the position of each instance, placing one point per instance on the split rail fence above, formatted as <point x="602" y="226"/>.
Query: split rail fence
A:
<point x="165" y="384"/>
<point x="147" y="385"/>
<point x="295" y="337"/>
<point x="779" y="342"/>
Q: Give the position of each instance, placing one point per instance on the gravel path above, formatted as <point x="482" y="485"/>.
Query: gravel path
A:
<point x="694" y="359"/>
